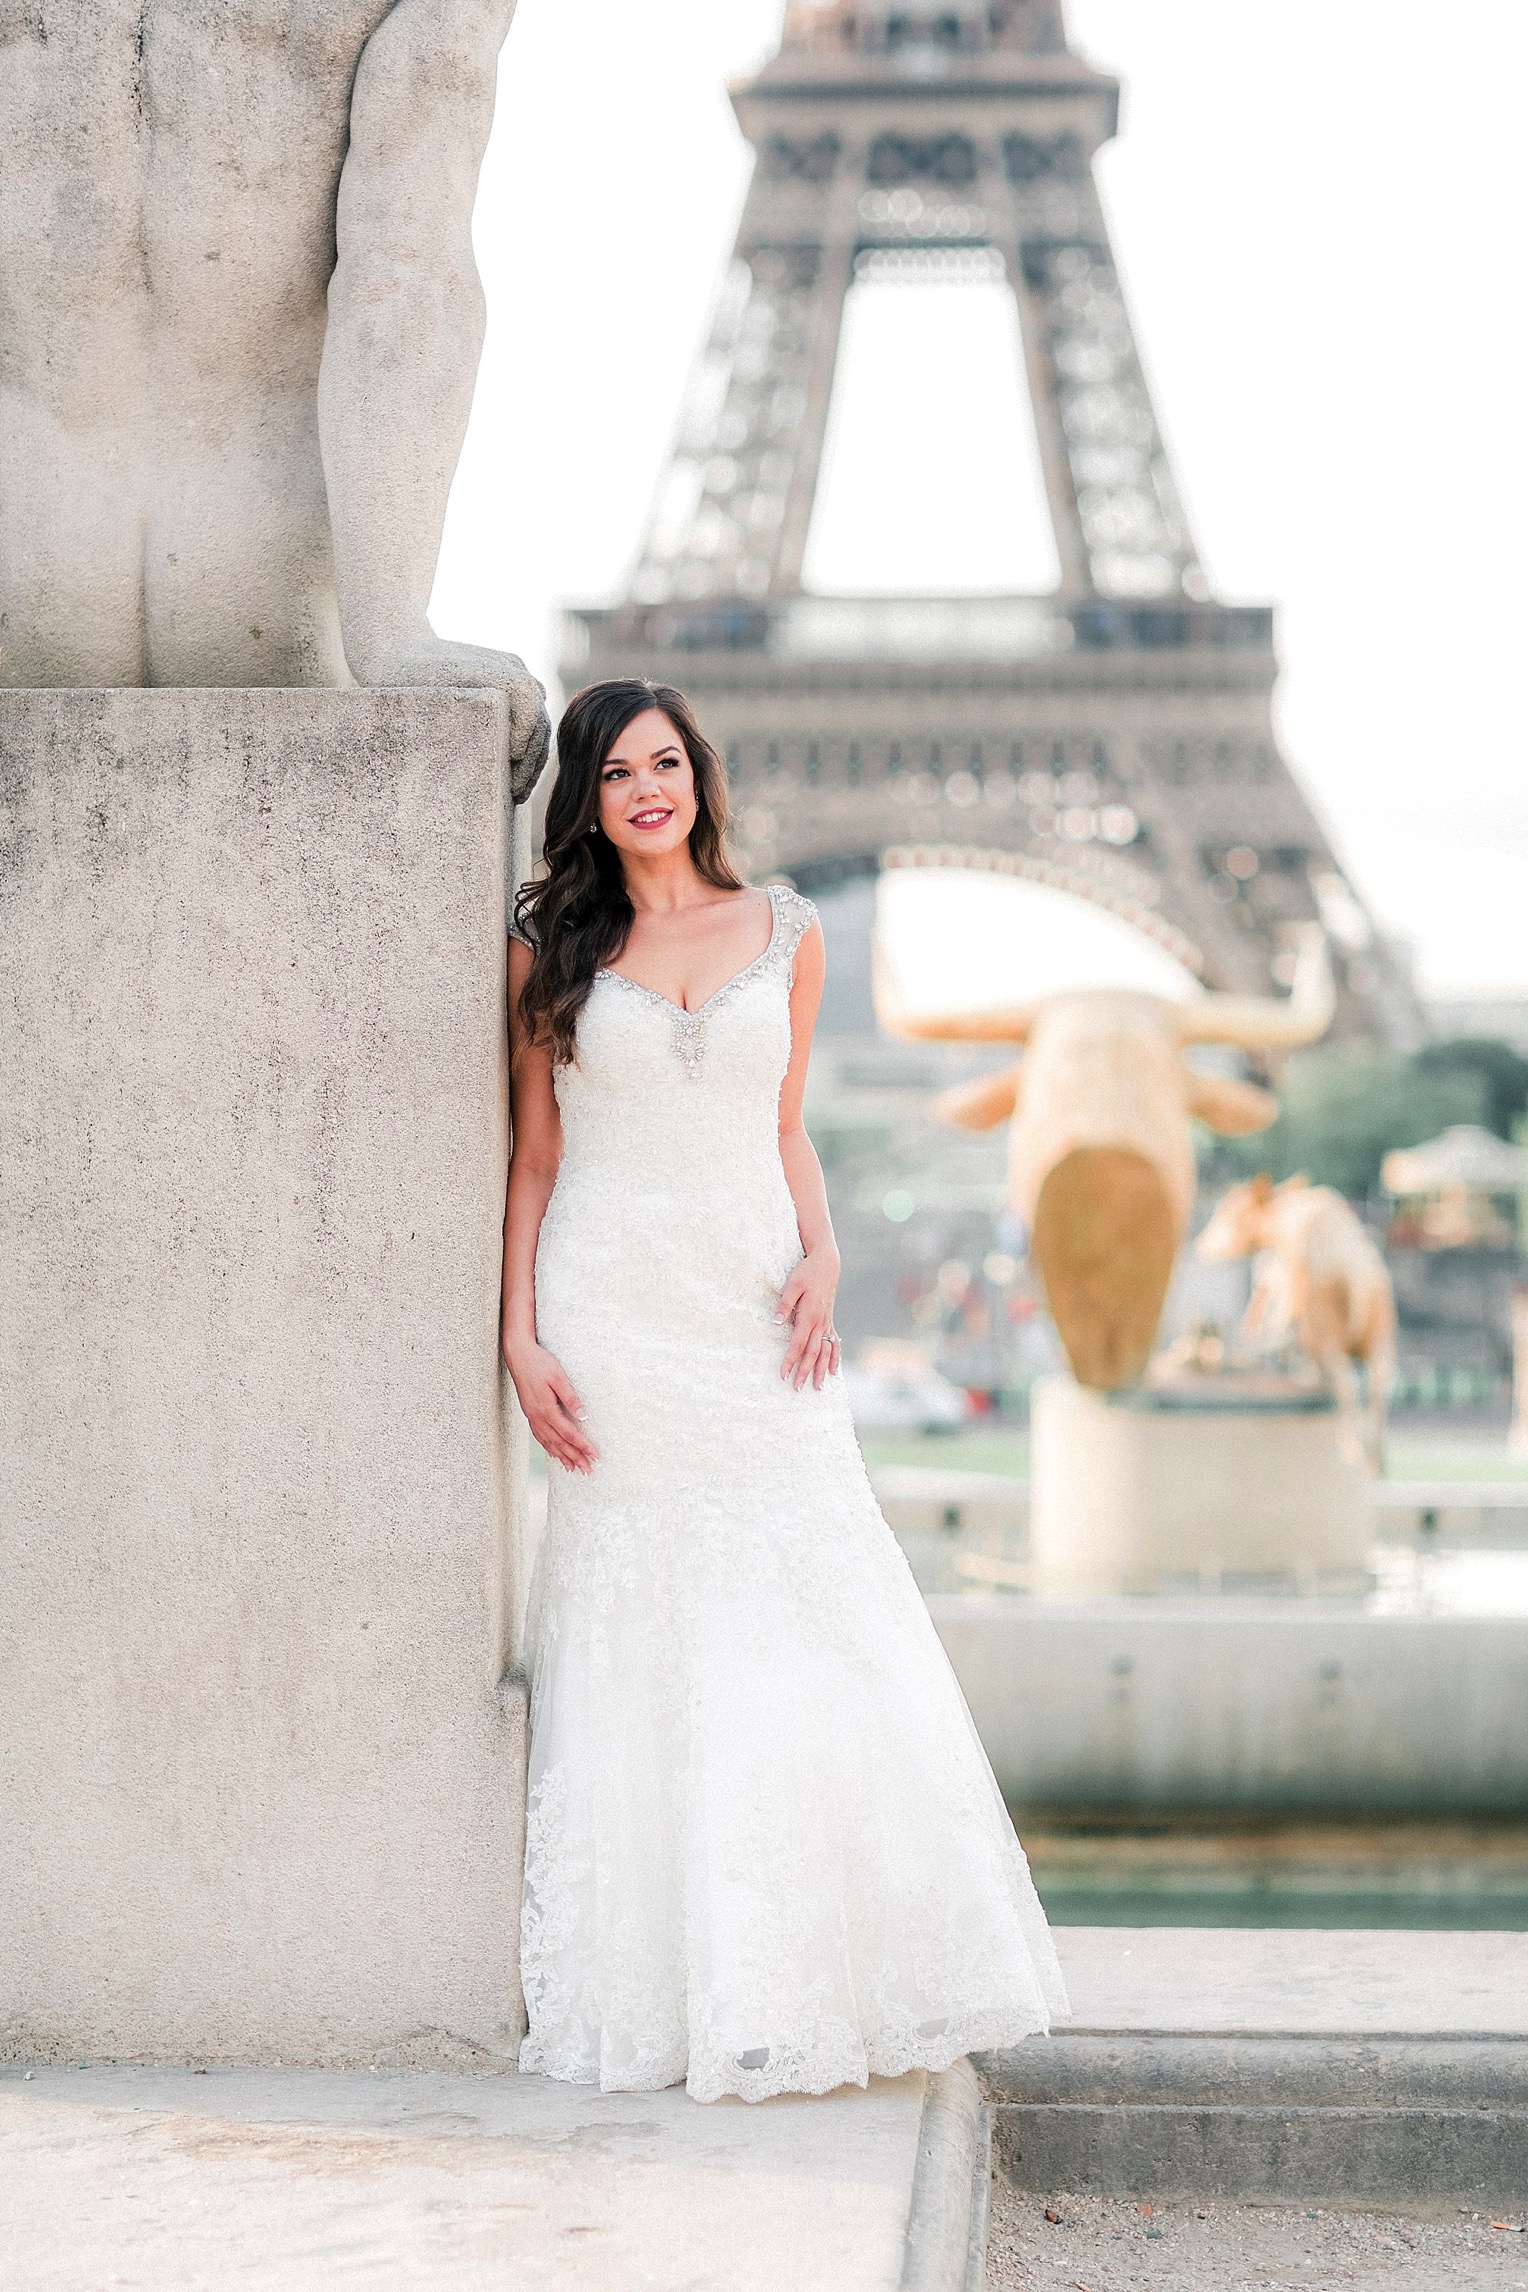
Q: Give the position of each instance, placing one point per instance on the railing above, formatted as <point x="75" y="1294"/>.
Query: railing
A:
<point x="993" y="628"/>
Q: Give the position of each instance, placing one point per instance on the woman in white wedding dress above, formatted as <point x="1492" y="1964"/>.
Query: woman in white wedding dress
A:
<point x="766" y="1852"/>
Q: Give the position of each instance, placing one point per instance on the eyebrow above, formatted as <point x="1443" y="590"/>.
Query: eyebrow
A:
<point x="671" y="748"/>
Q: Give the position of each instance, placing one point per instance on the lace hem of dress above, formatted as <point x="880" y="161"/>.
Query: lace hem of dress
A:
<point x="841" y="2057"/>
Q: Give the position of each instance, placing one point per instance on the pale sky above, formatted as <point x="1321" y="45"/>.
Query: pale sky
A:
<point x="1318" y="209"/>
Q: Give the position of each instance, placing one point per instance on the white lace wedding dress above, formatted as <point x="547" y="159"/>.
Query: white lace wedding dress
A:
<point x="766" y="1852"/>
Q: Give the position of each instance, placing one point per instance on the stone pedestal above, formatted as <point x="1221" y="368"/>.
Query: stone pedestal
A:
<point x="262" y="1786"/>
<point x="1146" y="1492"/>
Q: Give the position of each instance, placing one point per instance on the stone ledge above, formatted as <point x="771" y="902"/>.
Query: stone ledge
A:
<point x="1330" y="2120"/>
<point x="1407" y="2095"/>
<point x="182" y="2179"/>
<point x="1260" y="2072"/>
<point x="1274" y="1706"/>
<point x="946" y="2221"/>
<point x="1320" y="2154"/>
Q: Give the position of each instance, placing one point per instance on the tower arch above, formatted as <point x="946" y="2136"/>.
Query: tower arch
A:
<point x="1116" y="736"/>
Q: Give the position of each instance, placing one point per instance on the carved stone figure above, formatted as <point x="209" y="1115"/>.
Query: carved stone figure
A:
<point x="1100" y="1154"/>
<point x="240" y="325"/>
<point x="1321" y="1280"/>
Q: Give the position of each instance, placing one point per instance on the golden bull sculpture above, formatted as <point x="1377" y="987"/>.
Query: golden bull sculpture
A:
<point x="1100" y="1149"/>
<point x="1321" y="1280"/>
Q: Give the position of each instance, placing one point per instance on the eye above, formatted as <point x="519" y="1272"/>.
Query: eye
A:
<point x="615" y="772"/>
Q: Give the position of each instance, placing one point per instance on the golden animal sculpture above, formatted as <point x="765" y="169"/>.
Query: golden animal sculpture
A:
<point x="1100" y="1152"/>
<point x="1323" y="1279"/>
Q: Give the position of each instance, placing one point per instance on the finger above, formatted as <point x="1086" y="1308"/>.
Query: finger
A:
<point x="568" y="1457"/>
<point x="570" y="1424"/>
<point x="571" y="1433"/>
<point x="809" y="1353"/>
<point x="561" y="1438"/>
<point x="790" y="1298"/>
<point x="551" y="1433"/>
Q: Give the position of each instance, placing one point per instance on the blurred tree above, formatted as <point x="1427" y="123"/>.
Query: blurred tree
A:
<point x="1342" y="1108"/>
<point x="1502" y="1071"/>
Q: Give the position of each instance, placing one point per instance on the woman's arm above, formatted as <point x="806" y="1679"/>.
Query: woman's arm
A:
<point x="551" y="1406"/>
<point x="806" y="1301"/>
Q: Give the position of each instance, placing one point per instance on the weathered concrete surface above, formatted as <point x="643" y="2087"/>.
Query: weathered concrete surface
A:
<point x="1273" y="1705"/>
<point x="1129" y="2070"/>
<point x="1270" y="1982"/>
<point x="1380" y="2121"/>
<point x="260" y="1787"/>
<point x="1128" y="1498"/>
<point x="1330" y="2067"/>
<point x="242" y="324"/>
<point x="285" y="2181"/>
<point x="947" y="2217"/>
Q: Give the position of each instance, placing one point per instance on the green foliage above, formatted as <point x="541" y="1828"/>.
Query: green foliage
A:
<point x="1344" y="1106"/>
<point x="845" y="1141"/>
<point x="1502" y="1071"/>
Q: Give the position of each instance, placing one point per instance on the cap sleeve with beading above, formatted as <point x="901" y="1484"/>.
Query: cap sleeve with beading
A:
<point x="794" y="917"/>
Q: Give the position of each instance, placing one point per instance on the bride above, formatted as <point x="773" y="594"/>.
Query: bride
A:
<point x="765" y="1850"/>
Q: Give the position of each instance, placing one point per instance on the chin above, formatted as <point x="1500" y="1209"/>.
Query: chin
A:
<point x="662" y="841"/>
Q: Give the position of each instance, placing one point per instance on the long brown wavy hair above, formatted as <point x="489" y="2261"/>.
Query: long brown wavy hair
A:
<point x="578" y="915"/>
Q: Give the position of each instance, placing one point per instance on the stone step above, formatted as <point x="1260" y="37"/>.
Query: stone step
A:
<point x="284" y="2180"/>
<point x="1330" y="2068"/>
<point x="1270" y="2118"/>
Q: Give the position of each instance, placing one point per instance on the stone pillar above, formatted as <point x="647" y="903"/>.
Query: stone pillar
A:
<point x="262" y="1785"/>
<point x="1141" y="1492"/>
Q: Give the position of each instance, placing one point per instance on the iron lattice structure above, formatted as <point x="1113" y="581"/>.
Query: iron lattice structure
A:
<point x="1114" y="739"/>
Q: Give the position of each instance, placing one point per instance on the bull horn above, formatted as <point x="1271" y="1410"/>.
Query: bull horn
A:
<point x="1259" y="1022"/>
<point x="1009" y="1025"/>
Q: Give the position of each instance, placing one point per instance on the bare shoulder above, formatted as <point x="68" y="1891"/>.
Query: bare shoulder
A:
<point x="760" y="904"/>
<point x="758" y="901"/>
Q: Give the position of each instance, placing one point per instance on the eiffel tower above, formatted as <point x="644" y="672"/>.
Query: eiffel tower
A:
<point x="1113" y="739"/>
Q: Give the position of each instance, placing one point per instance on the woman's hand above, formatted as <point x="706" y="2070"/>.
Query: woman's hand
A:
<point x="553" y="1410"/>
<point x="806" y="1302"/>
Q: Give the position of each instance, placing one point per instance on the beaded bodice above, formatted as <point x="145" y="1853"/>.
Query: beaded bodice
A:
<point x="792" y="916"/>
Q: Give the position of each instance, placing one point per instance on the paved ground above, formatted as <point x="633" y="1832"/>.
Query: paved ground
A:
<point x="173" y="2180"/>
<point x="122" y="2180"/>
<point x="1108" y="2244"/>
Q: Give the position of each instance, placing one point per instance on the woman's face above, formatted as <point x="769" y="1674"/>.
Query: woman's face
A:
<point x="647" y="788"/>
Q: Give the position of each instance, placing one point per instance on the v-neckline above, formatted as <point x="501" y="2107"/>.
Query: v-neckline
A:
<point x="683" y="1010"/>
